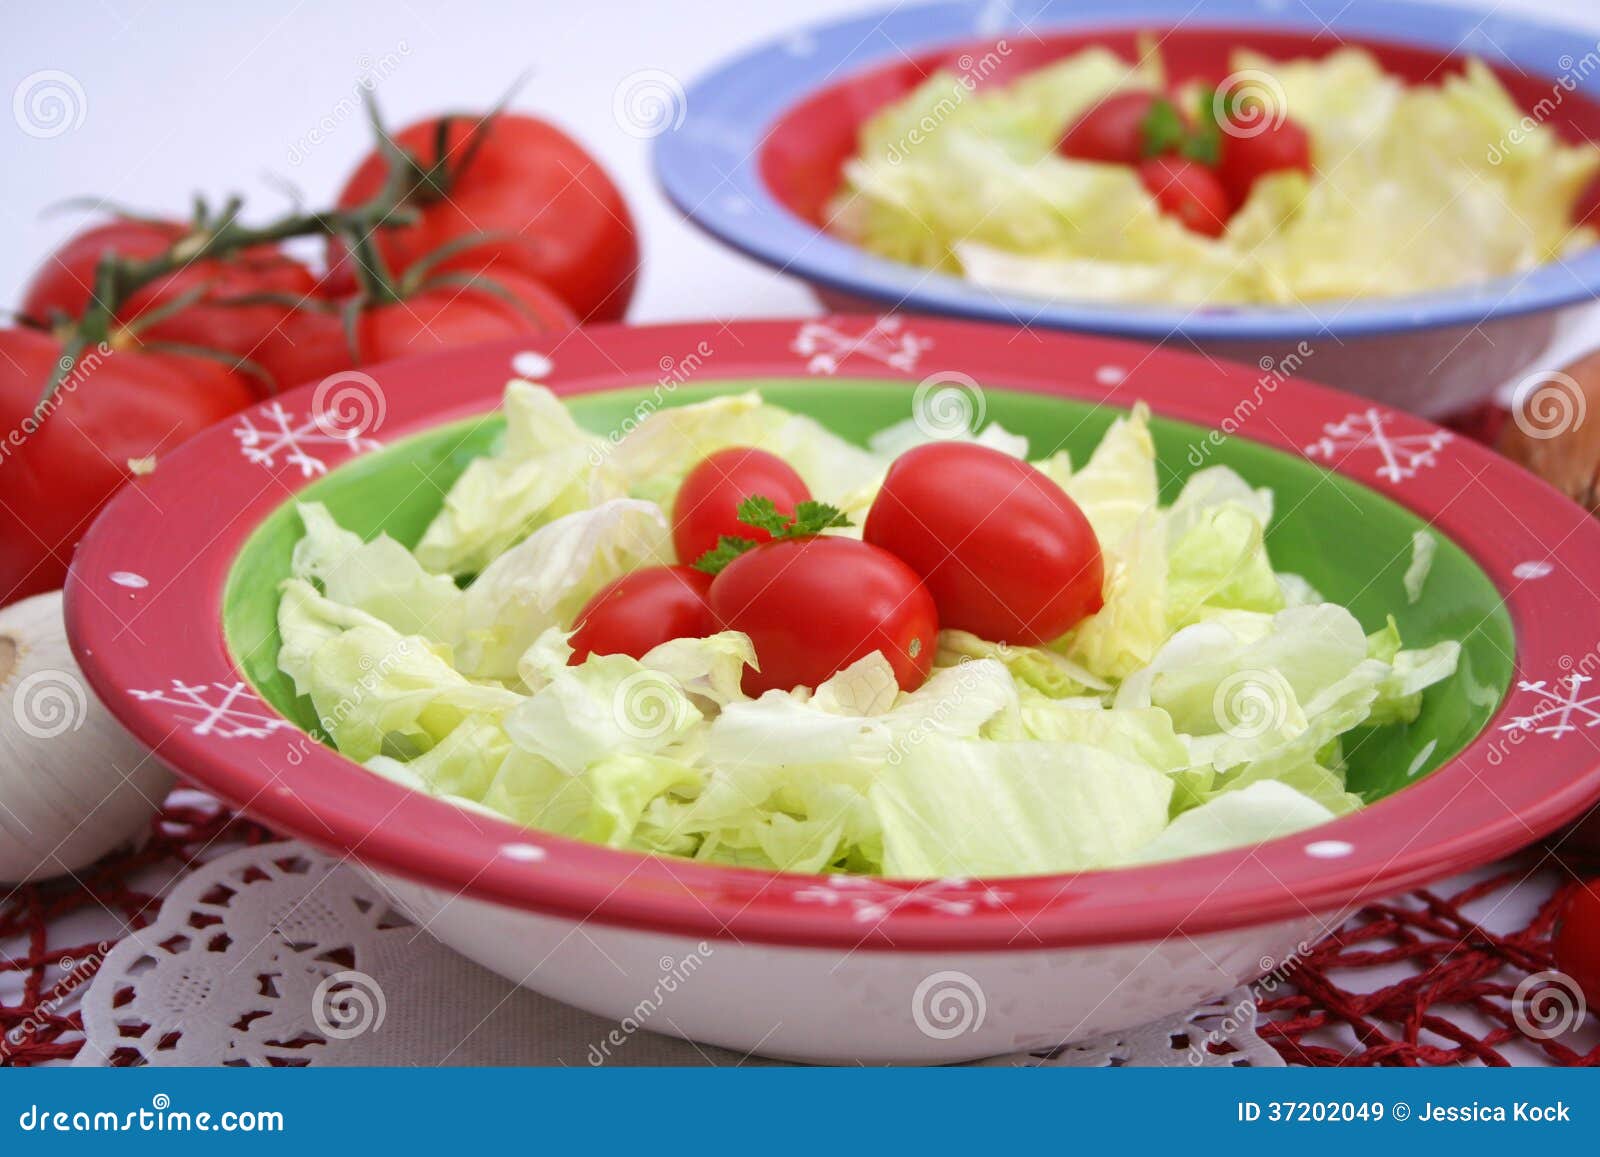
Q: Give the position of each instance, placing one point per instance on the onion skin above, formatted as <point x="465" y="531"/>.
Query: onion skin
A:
<point x="73" y="784"/>
<point x="1554" y="430"/>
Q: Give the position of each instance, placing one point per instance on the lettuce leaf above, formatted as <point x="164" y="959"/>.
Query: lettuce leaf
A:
<point x="973" y="808"/>
<point x="545" y="580"/>
<point x="540" y="472"/>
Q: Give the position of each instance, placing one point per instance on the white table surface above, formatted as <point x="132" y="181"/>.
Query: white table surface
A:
<point x="188" y="95"/>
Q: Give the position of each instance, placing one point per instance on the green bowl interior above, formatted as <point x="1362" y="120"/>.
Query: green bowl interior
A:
<point x="1350" y="542"/>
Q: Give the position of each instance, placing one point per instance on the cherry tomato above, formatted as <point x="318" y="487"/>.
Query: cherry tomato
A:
<point x="310" y="344"/>
<point x="1189" y="191"/>
<point x="708" y="501"/>
<point x="562" y="219"/>
<point x="814" y="605"/>
<point x="218" y="320"/>
<point x="1577" y="940"/>
<point x="1250" y="151"/>
<point x="63" y="462"/>
<point x="1006" y="554"/>
<point x="1111" y="131"/>
<point x="643" y="609"/>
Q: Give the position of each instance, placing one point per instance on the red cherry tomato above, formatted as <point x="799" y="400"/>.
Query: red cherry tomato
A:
<point x="64" y="461"/>
<point x="1577" y="941"/>
<point x="1006" y="554"/>
<point x="643" y="609"/>
<point x="1111" y="131"/>
<point x="560" y="218"/>
<point x="1188" y="191"/>
<point x="708" y="501"/>
<point x="216" y="320"/>
<point x="1250" y="150"/>
<point x="812" y="606"/>
<point x="311" y="344"/>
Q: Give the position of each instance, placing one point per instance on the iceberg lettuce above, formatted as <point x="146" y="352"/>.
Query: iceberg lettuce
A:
<point x="1206" y="705"/>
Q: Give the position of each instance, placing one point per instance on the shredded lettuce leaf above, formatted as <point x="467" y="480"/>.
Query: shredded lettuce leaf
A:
<point x="1206" y="705"/>
<point x="1415" y="188"/>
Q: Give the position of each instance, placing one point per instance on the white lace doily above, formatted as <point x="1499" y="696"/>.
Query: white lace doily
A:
<point x="278" y="955"/>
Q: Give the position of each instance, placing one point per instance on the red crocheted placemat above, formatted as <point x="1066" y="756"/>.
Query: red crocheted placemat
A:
<point x="44" y="1025"/>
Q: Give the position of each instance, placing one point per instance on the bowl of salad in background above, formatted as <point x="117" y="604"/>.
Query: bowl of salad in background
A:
<point x="318" y="543"/>
<point x="1388" y="197"/>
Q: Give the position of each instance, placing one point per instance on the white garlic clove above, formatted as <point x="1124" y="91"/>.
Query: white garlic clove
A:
<point x="73" y="784"/>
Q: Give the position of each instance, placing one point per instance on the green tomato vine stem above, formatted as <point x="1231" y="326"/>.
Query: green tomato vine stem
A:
<point x="408" y="185"/>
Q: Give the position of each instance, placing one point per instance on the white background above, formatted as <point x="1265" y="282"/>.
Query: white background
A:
<point x="214" y="96"/>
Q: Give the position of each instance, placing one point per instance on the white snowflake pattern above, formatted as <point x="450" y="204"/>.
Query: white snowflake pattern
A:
<point x="1557" y="707"/>
<point x="1403" y="455"/>
<point x="226" y="710"/>
<point x="827" y="347"/>
<point x="281" y="433"/>
<point x="872" y="900"/>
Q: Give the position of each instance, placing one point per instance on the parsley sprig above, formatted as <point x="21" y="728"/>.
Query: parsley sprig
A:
<point x="1166" y="130"/>
<point x="762" y="513"/>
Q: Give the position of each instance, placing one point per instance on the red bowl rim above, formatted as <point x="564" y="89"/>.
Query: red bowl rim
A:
<point x="143" y="607"/>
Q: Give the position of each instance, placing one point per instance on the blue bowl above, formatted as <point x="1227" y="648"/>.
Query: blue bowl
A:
<point x="1433" y="353"/>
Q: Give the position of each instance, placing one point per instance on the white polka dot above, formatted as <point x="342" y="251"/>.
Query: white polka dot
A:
<point x="800" y="44"/>
<point x="531" y="364"/>
<point x="1110" y="375"/>
<point x="1329" y="849"/>
<point x="126" y="578"/>
<point x="523" y="853"/>
<point x="1532" y="570"/>
<point x="735" y="204"/>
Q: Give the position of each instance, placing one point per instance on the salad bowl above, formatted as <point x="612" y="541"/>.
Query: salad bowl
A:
<point x="765" y="138"/>
<point x="171" y="609"/>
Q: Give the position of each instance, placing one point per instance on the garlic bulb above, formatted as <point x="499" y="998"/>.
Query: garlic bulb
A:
<point x="73" y="784"/>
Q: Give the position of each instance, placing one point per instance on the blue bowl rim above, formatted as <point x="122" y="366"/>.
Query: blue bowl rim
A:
<point x="707" y="164"/>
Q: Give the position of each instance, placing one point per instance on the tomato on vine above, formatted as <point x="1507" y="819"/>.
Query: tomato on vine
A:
<point x="543" y="204"/>
<point x="67" y="456"/>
